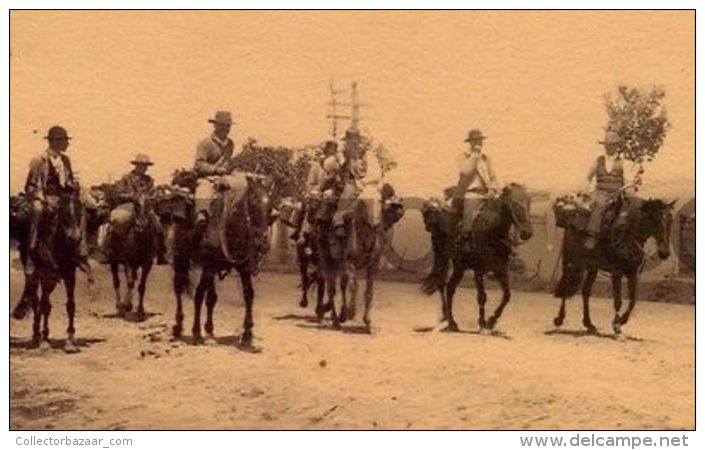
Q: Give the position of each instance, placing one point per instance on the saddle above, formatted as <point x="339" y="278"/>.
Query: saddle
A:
<point x="477" y="216"/>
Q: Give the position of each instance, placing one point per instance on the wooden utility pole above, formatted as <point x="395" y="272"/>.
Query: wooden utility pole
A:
<point x="333" y="114"/>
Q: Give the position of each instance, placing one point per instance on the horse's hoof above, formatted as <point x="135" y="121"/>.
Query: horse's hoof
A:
<point x="44" y="345"/>
<point x="303" y="303"/>
<point x="176" y="331"/>
<point x="491" y="322"/>
<point x="20" y="312"/>
<point x="452" y="327"/>
<point x="71" y="347"/>
<point x="336" y="325"/>
<point x="590" y="328"/>
<point x="558" y="321"/>
<point x="482" y="323"/>
<point x="210" y="340"/>
<point x="368" y="327"/>
<point x="127" y="307"/>
<point x="342" y="317"/>
<point x="197" y="339"/>
<point x="485" y="332"/>
<point x="617" y="328"/>
<point x="620" y="337"/>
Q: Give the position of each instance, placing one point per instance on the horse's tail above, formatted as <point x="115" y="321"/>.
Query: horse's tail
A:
<point x="441" y="265"/>
<point x="182" y="259"/>
<point x="573" y="270"/>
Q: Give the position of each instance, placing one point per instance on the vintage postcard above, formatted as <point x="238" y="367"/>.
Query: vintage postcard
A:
<point x="352" y="220"/>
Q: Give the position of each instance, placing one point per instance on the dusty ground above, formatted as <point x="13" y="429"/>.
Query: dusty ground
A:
<point x="132" y="376"/>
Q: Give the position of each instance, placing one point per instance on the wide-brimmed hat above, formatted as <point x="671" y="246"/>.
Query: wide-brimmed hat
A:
<point x="611" y="137"/>
<point x="475" y="135"/>
<point x="222" y="117"/>
<point x="57" y="132"/>
<point x="142" y="159"/>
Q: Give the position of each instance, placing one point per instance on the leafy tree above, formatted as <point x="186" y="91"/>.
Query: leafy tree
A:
<point x="640" y="119"/>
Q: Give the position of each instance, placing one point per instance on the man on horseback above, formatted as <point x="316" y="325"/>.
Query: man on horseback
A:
<point x="361" y="177"/>
<point x="50" y="178"/>
<point x="133" y="187"/>
<point x="476" y="181"/>
<point x="313" y="190"/>
<point x="608" y="175"/>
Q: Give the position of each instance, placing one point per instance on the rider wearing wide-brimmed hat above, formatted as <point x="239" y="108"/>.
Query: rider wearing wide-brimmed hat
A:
<point x="131" y="188"/>
<point x="608" y="174"/>
<point x="50" y="177"/>
<point x="476" y="181"/>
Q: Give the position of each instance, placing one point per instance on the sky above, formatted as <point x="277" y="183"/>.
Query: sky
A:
<point x="146" y="82"/>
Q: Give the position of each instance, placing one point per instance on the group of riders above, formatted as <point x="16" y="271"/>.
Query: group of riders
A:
<point x="337" y="178"/>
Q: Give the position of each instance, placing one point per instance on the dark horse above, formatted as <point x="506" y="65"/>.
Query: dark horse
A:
<point x="486" y="250"/>
<point x="344" y="258"/>
<point x="238" y="240"/>
<point x="619" y="251"/>
<point x="133" y="247"/>
<point x="56" y="259"/>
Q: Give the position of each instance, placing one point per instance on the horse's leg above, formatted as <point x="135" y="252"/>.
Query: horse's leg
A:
<point x="248" y="293"/>
<point x="631" y="291"/>
<point x="481" y="297"/>
<point x="455" y="278"/>
<point x="320" y="294"/>
<point x="371" y="273"/>
<point x="115" y="270"/>
<point x="211" y="300"/>
<point x="142" y="288"/>
<point x="354" y="288"/>
<point x="69" y="277"/>
<point x="503" y="279"/>
<point x="587" y="291"/>
<point x="181" y="282"/>
<point x="45" y="308"/>
<point x="37" y="310"/>
<point x="344" y="308"/>
<point x="25" y="303"/>
<point x="203" y="285"/>
<point x="131" y="275"/>
<point x="558" y="320"/>
<point x="331" y="279"/>
<point x="303" y="271"/>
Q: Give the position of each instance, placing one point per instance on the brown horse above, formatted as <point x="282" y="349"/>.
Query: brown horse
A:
<point x="484" y="250"/>
<point x="238" y="241"/>
<point x="132" y="247"/>
<point x="56" y="259"/>
<point x="619" y="251"/>
<point x="345" y="258"/>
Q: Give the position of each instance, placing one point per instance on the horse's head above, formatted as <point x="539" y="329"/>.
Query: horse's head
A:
<point x="392" y="207"/>
<point x="657" y="219"/>
<point x="70" y="214"/>
<point x="259" y="201"/>
<point x="519" y="203"/>
<point x="435" y="216"/>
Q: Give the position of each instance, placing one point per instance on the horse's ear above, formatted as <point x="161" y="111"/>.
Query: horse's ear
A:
<point x="672" y="203"/>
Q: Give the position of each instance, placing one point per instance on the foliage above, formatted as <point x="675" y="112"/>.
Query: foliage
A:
<point x="639" y="117"/>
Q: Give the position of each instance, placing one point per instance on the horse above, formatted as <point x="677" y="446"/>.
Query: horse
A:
<point x="483" y="250"/>
<point x="19" y="231"/>
<point x="237" y="241"/>
<point x="619" y="252"/>
<point x="131" y="244"/>
<point x="56" y="259"/>
<point x="343" y="261"/>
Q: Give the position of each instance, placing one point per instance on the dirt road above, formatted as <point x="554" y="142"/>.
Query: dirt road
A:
<point x="133" y="376"/>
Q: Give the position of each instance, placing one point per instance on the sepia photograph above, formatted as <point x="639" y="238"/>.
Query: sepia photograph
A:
<point x="352" y="220"/>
